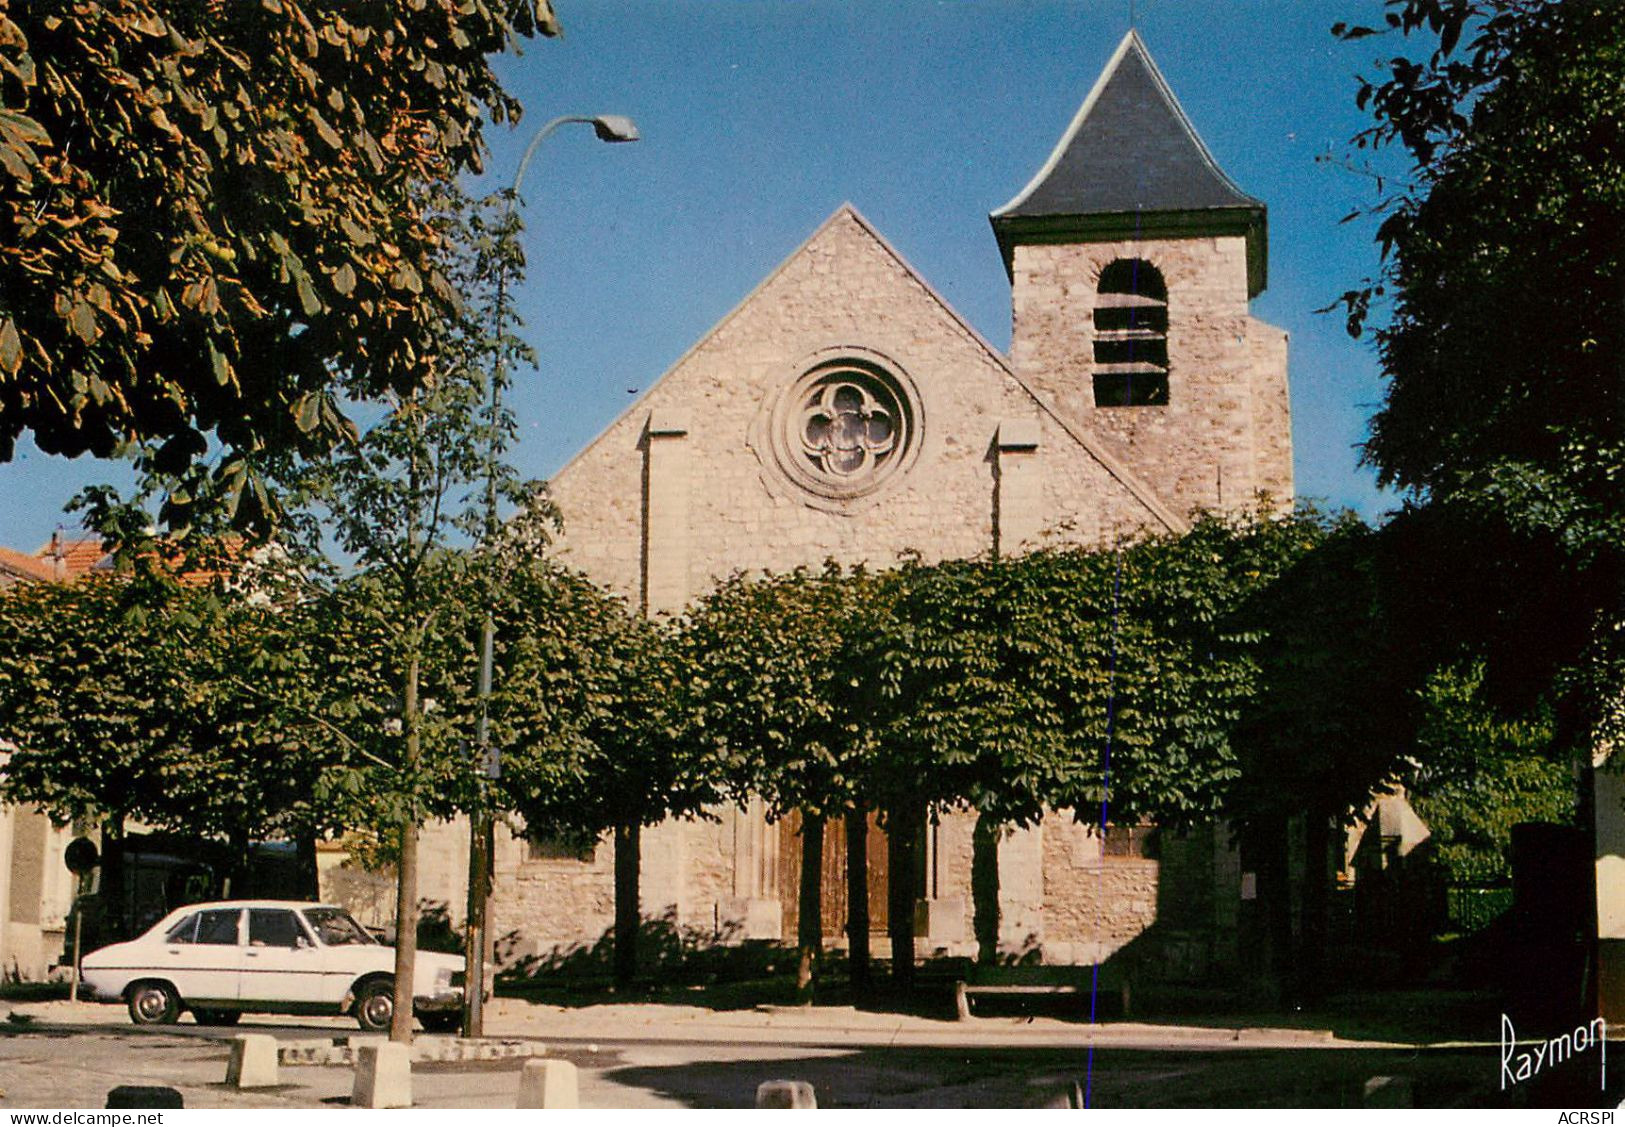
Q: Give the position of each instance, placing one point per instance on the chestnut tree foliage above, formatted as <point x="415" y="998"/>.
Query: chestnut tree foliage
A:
<point x="782" y="706"/>
<point x="1242" y="671"/>
<point x="217" y="221"/>
<point x="179" y="705"/>
<point x="591" y="710"/>
<point x="1499" y="318"/>
<point x="1219" y="674"/>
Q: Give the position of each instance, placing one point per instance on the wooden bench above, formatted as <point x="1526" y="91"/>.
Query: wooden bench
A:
<point x="1114" y="995"/>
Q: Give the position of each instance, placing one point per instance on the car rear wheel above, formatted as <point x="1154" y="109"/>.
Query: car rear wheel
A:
<point x="154" y="1003"/>
<point x="375" y="1005"/>
<point x="217" y="1017"/>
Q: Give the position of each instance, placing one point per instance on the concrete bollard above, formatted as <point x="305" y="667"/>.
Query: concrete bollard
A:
<point x="1067" y="1097"/>
<point x="144" y="1095"/>
<point x="383" y="1075"/>
<point x="253" y="1061"/>
<point x="1387" y="1091"/>
<point x="795" y="1094"/>
<point x="549" y="1084"/>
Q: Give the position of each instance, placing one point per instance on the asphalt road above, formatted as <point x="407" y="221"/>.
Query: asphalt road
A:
<point x="46" y="1064"/>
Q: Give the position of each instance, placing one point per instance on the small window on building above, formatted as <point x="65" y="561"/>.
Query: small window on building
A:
<point x="1131" y="842"/>
<point x="1131" y="336"/>
<point x="559" y="847"/>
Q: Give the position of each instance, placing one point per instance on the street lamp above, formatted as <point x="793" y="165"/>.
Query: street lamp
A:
<point x="615" y="129"/>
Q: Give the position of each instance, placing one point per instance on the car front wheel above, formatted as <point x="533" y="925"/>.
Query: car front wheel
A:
<point x="154" y="1003"/>
<point x="375" y="1005"/>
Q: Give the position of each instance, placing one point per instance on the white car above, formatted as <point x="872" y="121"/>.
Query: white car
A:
<point x="225" y="959"/>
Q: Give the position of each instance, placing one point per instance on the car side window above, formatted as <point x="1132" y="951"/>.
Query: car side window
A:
<point x="184" y="931"/>
<point x="273" y="927"/>
<point x="218" y="927"/>
<point x="335" y="928"/>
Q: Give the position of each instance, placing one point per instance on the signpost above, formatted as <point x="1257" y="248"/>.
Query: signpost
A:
<point x="80" y="856"/>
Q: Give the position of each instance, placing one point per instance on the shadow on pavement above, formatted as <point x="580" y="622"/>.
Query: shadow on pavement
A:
<point x="1117" y="1077"/>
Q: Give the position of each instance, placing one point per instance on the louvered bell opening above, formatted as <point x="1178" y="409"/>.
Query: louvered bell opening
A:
<point x="1147" y="387"/>
<point x="1132" y="348"/>
<point x="1126" y="312"/>
<point x="1131" y="336"/>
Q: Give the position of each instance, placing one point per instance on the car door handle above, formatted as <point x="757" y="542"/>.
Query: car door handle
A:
<point x="253" y="954"/>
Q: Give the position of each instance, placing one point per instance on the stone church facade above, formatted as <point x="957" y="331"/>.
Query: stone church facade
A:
<point x="844" y="411"/>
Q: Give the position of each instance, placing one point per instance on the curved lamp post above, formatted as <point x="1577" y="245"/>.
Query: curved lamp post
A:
<point x="615" y="129"/>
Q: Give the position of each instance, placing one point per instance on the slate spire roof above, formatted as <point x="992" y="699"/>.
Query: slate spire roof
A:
<point x="1131" y="164"/>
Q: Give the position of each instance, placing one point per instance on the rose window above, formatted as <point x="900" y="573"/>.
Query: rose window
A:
<point x="844" y="427"/>
<point x="846" y="431"/>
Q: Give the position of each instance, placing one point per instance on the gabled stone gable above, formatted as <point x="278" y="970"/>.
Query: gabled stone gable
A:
<point x="781" y="439"/>
<point x="681" y="490"/>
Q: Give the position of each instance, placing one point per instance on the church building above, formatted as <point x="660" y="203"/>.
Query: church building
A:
<point x="845" y="411"/>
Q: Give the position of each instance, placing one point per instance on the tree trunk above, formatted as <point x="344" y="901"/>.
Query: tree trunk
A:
<point x="627" y="913"/>
<point x="902" y="845"/>
<point x="810" y="920"/>
<point x="857" y="897"/>
<point x="476" y="940"/>
<point x="475" y="931"/>
<point x="113" y="926"/>
<point x="984" y="886"/>
<point x="1309" y="958"/>
<point x="406" y="886"/>
<point x="309" y="874"/>
<point x="244" y="882"/>
<point x="1275" y="893"/>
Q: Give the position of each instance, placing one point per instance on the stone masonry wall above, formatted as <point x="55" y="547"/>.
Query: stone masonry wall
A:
<point x="552" y="903"/>
<point x="1093" y="905"/>
<point x="1272" y="413"/>
<point x="683" y="489"/>
<point x="1223" y="434"/>
<point x="845" y="290"/>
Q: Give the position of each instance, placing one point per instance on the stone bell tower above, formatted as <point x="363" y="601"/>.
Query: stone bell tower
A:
<point x="1132" y="258"/>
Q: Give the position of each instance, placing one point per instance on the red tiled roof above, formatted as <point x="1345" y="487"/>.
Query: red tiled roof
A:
<point x="69" y="559"/>
<point x="28" y="567"/>
<point x="78" y="554"/>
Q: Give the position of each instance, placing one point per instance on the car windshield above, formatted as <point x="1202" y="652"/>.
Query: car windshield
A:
<point x="335" y="928"/>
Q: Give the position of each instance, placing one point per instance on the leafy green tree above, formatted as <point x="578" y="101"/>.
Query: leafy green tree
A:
<point x="145" y="700"/>
<point x="1331" y="722"/>
<point x="976" y="674"/>
<point x="416" y="485"/>
<point x="1479" y="774"/>
<point x="777" y="686"/>
<point x="1104" y="682"/>
<point x="93" y="690"/>
<point x="1500" y="322"/>
<point x="139" y="698"/>
<point x="218" y="222"/>
<point x="591" y="710"/>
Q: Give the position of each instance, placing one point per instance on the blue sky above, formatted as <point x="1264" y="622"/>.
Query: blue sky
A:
<point x="760" y="117"/>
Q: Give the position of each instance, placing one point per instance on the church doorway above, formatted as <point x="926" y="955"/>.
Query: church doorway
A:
<point x="833" y="869"/>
